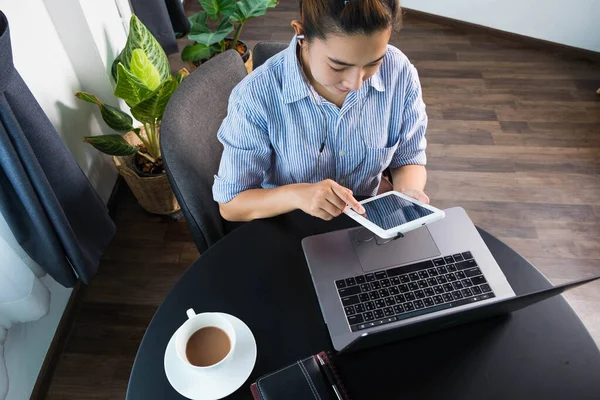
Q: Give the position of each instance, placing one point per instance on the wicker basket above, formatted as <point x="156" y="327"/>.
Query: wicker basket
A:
<point x="153" y="193"/>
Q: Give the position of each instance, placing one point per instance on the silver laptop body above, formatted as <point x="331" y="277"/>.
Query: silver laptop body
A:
<point x="339" y="261"/>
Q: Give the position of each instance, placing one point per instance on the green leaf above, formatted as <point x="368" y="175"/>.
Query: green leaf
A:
<point x="196" y="52"/>
<point x="247" y="9"/>
<point x="153" y="108"/>
<point x="207" y="37"/>
<point x="130" y="88"/>
<point x="90" y="98"/>
<point x="113" y="145"/>
<point x="141" y="38"/>
<point x="113" y="68"/>
<point x="198" y="22"/>
<point x="215" y="7"/>
<point x="114" y="117"/>
<point x="143" y="69"/>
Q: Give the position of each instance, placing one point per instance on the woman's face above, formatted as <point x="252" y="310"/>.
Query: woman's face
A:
<point x="342" y="63"/>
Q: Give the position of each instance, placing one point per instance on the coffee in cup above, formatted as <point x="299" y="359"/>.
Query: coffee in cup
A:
<point x="205" y="340"/>
<point x="207" y="346"/>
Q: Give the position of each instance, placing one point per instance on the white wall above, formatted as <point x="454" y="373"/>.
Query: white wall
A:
<point x="574" y="22"/>
<point x="60" y="47"/>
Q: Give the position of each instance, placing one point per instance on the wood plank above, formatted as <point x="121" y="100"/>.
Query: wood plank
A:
<point x="189" y="253"/>
<point x="558" y="69"/>
<point x="506" y="55"/>
<point x="177" y="232"/>
<point x="119" y="314"/>
<point x="92" y="339"/>
<point x="450" y="83"/>
<point x="570" y="239"/>
<point x="88" y="377"/>
<point x="485" y="100"/>
<point x="431" y="55"/>
<point x="450" y="73"/>
<point x="542" y="154"/>
<point x="475" y="186"/>
<point x="480" y="133"/>
<point x="469" y="114"/>
<point x="523" y="159"/>
<point x="563" y="134"/>
<point x="145" y="283"/>
<point x="469" y="164"/>
<point x="520" y="84"/>
<point x="547" y="114"/>
<point x="560" y="188"/>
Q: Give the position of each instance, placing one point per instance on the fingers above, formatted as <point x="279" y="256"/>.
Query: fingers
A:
<point x="417" y="194"/>
<point x="331" y="208"/>
<point x="346" y="196"/>
<point x="329" y="199"/>
<point x="325" y="204"/>
<point x="335" y="200"/>
<point x="320" y="213"/>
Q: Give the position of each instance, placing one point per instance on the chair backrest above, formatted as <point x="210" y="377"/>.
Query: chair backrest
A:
<point x="190" y="148"/>
<point x="264" y="50"/>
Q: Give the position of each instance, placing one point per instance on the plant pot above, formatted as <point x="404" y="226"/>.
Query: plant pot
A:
<point x="246" y="57"/>
<point x="153" y="192"/>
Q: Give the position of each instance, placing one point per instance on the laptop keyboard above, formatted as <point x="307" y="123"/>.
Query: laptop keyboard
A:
<point x="404" y="292"/>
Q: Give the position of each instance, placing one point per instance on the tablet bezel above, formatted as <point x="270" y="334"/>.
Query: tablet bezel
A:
<point x="436" y="214"/>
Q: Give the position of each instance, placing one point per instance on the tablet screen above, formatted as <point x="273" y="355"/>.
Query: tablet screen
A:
<point x="390" y="211"/>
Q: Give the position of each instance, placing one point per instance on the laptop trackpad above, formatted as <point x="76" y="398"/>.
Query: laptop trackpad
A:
<point x="375" y="253"/>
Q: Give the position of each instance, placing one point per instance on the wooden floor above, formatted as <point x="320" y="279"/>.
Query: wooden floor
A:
<point x="514" y="138"/>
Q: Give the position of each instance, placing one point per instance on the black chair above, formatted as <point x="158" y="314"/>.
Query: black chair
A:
<point x="188" y="138"/>
<point x="189" y="144"/>
<point x="264" y="50"/>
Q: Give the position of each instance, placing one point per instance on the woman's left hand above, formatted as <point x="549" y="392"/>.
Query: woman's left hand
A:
<point x="386" y="186"/>
<point x="417" y="194"/>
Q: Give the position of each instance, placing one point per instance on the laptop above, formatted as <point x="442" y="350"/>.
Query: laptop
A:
<point x="373" y="291"/>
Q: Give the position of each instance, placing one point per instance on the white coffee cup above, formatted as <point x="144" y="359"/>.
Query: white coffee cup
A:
<point x="196" y="322"/>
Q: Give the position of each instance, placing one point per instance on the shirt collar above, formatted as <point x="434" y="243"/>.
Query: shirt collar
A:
<point x="376" y="82"/>
<point x="294" y="86"/>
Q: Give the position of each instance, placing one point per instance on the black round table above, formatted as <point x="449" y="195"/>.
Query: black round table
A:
<point x="258" y="273"/>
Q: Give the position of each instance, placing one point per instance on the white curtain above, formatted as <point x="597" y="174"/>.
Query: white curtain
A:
<point x="23" y="297"/>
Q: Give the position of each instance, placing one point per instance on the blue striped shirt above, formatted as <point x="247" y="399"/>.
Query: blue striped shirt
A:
<point x="274" y="129"/>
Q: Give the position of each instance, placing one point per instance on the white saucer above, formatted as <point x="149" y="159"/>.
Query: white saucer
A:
<point x="223" y="379"/>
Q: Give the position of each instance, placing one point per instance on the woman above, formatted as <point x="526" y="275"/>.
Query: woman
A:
<point x="319" y="122"/>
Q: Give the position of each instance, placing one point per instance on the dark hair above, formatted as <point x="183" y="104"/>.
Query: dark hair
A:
<point x="349" y="17"/>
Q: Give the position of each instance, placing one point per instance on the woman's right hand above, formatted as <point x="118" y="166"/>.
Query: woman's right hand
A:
<point x="326" y="199"/>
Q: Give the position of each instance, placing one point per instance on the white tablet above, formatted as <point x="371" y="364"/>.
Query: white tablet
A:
<point x="391" y="213"/>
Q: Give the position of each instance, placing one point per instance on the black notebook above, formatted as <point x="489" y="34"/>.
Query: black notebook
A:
<point x="314" y="377"/>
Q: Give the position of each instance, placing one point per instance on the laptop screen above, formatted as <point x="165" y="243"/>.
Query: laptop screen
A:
<point x="390" y="211"/>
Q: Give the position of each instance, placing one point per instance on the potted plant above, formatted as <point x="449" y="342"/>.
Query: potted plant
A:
<point x="144" y="81"/>
<point x="225" y="16"/>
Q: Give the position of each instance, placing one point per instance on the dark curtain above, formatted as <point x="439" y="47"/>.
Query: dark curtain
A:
<point x="165" y="19"/>
<point x="49" y="204"/>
